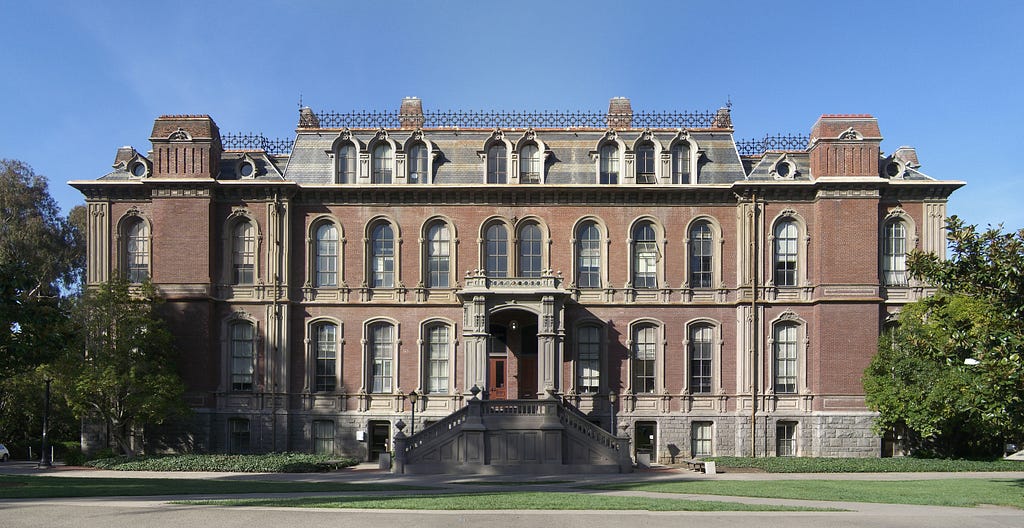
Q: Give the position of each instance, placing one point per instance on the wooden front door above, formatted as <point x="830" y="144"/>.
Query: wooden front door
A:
<point x="528" y="377"/>
<point x="497" y="381"/>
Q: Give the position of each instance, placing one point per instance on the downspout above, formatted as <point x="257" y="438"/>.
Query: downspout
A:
<point x="754" y="325"/>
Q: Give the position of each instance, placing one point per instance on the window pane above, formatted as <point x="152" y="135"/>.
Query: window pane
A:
<point x="137" y="254"/>
<point x="346" y="164"/>
<point x="383" y="256"/>
<point x="438" y="255"/>
<point x="327" y="255"/>
<point x="701" y="439"/>
<point x="381" y="347"/>
<point x="589" y="266"/>
<point x="242" y="364"/>
<point x="238" y="435"/>
<point x="530" y="251"/>
<point x="496" y="251"/>
<point x="381" y="164"/>
<point x="700" y="256"/>
<point x="243" y="253"/>
<point x="785" y="352"/>
<point x="418" y="164"/>
<point x="644" y="354"/>
<point x="701" y="349"/>
<point x="496" y="160"/>
<point x="609" y="169"/>
<point x="785" y="254"/>
<point x="323" y="437"/>
<point x="894" y="256"/>
<point x="437" y="359"/>
<point x="588" y="359"/>
<point x="529" y="165"/>
<point x="785" y="439"/>
<point x="681" y="163"/>
<point x="645" y="163"/>
<point x="326" y="357"/>
<point x="645" y="257"/>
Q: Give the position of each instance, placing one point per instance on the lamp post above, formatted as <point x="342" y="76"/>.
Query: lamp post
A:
<point x="612" y="398"/>
<point x="412" y="399"/>
<point x="45" y="462"/>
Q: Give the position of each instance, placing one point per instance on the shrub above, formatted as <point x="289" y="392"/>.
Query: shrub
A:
<point x="71" y="453"/>
<point x="865" y="465"/>
<point x="268" y="463"/>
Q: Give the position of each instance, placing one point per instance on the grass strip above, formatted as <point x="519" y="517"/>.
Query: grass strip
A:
<point x="865" y="465"/>
<point x="939" y="492"/>
<point x="518" y="500"/>
<point x="26" y="487"/>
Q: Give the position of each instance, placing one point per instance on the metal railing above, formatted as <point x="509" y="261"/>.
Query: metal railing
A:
<point x="781" y="142"/>
<point x="517" y="119"/>
<point x="251" y="141"/>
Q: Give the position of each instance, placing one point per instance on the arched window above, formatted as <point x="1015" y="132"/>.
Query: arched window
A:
<point x="382" y="256"/>
<point x="438" y="352"/>
<point x="243" y="253"/>
<point x="381" y="343"/>
<point x="326" y="357"/>
<point x="609" y="169"/>
<point x="327" y="255"/>
<point x="438" y="255"/>
<point x="588" y="263"/>
<point x="242" y="348"/>
<point x="496" y="164"/>
<point x="381" y="162"/>
<point x="894" y="254"/>
<point x="645" y="164"/>
<point x="530" y="248"/>
<point x="784" y="353"/>
<point x="496" y="251"/>
<point x="701" y="354"/>
<point x="136" y="255"/>
<point x="701" y="255"/>
<point x="681" y="163"/>
<point x="418" y="168"/>
<point x="785" y="253"/>
<point x="645" y="346"/>
<point x="529" y="164"/>
<point x="645" y="256"/>
<point x="346" y="164"/>
<point x="588" y="359"/>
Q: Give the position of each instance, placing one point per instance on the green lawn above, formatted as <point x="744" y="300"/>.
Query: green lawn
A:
<point x="516" y="500"/>
<point x="941" y="492"/>
<point x="23" y="487"/>
<point x="864" y="465"/>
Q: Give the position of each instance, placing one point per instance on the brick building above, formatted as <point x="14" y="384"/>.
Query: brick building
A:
<point x="641" y="267"/>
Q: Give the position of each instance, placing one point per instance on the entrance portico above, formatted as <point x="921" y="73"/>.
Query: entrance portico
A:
<point x="513" y="335"/>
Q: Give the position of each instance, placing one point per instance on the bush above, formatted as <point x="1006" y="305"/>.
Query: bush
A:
<point x="865" y="465"/>
<point x="71" y="453"/>
<point x="269" y="463"/>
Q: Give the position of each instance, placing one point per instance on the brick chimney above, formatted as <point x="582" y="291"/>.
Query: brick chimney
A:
<point x="845" y="145"/>
<point x="411" y="113"/>
<point x="620" y="113"/>
<point x="185" y="146"/>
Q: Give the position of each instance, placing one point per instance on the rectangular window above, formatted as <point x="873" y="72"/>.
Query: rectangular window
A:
<point x="438" y="256"/>
<point x="785" y="439"/>
<point x="243" y="253"/>
<point x="644" y="354"/>
<point x="645" y="165"/>
<point x="327" y="256"/>
<point x="323" y="437"/>
<point x="700" y="437"/>
<point x="241" y="357"/>
<point x="326" y="358"/>
<point x="238" y="435"/>
<point x="588" y="360"/>
<point x="437" y="360"/>
<point x="785" y="352"/>
<point x="646" y="265"/>
<point x="382" y="346"/>
<point x="701" y="348"/>
<point x="590" y="259"/>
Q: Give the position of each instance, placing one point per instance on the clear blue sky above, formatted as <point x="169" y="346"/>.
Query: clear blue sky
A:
<point x="80" y="80"/>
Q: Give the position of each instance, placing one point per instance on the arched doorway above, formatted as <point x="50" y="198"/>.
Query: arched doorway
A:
<point x="512" y="355"/>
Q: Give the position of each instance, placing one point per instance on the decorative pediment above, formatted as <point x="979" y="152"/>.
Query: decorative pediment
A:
<point x="417" y="135"/>
<point x="133" y="211"/>
<point x="895" y="212"/>
<point x="381" y="135"/>
<point x="851" y="134"/>
<point x="789" y="315"/>
<point x="346" y="135"/>
<point x="497" y="135"/>
<point x="180" y="135"/>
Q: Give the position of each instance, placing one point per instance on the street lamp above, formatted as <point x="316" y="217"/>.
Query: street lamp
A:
<point x="412" y="399"/>
<point x="612" y="398"/>
<point x="45" y="462"/>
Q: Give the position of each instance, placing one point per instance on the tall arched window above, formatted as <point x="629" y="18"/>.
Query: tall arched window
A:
<point x="496" y="164"/>
<point x="382" y="345"/>
<point x="894" y="254"/>
<point x="785" y="253"/>
<point x="381" y="162"/>
<point x="243" y="363"/>
<point x="438" y="255"/>
<point x="530" y="250"/>
<point x="701" y="255"/>
<point x="609" y="164"/>
<point x="645" y="163"/>
<point x="496" y="251"/>
<point x="701" y="353"/>
<point x="529" y="164"/>
<point x="136" y="253"/>
<point x="645" y="256"/>
<point x="645" y="347"/>
<point x="346" y="164"/>
<point x="243" y="253"/>
<point x="438" y="352"/>
<point x="327" y="255"/>
<point x="588" y="359"/>
<point x="326" y="357"/>
<point x="382" y="256"/>
<point x="418" y="168"/>
<point x="681" y="163"/>
<point x="588" y="264"/>
<point x="784" y="352"/>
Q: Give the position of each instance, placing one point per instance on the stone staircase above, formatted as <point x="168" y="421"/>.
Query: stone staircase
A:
<point x="540" y="437"/>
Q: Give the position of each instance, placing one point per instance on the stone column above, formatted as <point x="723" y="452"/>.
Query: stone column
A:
<point x="475" y="336"/>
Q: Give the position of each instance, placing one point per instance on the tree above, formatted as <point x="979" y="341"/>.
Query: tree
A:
<point x="951" y="373"/>
<point x="122" y="370"/>
<point x="42" y="256"/>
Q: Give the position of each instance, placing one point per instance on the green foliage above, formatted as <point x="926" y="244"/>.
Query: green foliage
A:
<point x="71" y="453"/>
<point x="864" y="465"/>
<point x="919" y="382"/>
<point x="122" y="367"/>
<point x="269" y="463"/>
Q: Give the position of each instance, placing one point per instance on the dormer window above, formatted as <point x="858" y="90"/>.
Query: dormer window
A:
<point x="645" y="172"/>
<point x="609" y="170"/>
<point x="138" y="169"/>
<point x="681" y="163"/>
<point x="497" y="171"/>
<point x="418" y="164"/>
<point x="529" y="164"/>
<point x="346" y="164"/>
<point x="381" y="162"/>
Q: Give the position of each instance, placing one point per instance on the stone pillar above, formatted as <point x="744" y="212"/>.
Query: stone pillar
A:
<point x="475" y="336"/>
<point x="549" y="358"/>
